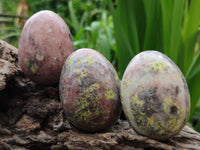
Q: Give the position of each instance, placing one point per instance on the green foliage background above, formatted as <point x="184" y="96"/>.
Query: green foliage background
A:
<point x="120" y="29"/>
<point x="169" y="26"/>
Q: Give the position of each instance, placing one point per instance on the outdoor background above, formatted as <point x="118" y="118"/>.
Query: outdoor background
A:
<point x="120" y="29"/>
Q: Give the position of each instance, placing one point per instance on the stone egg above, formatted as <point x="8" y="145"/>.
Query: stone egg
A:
<point x="155" y="96"/>
<point x="89" y="91"/>
<point x="44" y="45"/>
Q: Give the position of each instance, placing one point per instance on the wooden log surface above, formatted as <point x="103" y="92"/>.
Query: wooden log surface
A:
<point x="31" y="117"/>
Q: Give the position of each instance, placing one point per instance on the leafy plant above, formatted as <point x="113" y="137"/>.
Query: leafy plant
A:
<point x="165" y="25"/>
<point x="8" y="31"/>
<point x="11" y="34"/>
<point x="79" y="15"/>
<point x="96" y="34"/>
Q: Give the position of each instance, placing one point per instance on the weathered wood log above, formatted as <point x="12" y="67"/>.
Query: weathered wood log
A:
<point x="31" y="117"/>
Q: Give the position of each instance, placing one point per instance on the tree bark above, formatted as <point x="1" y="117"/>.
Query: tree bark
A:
<point x="31" y="117"/>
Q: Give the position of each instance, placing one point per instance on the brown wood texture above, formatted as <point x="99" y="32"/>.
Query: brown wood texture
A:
<point x="31" y="117"/>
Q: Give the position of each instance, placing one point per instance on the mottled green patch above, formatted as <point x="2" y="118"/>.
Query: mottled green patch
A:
<point x="78" y="62"/>
<point x="155" y="124"/>
<point x="33" y="69"/>
<point x="178" y="76"/>
<point x="87" y="107"/>
<point x="31" y="65"/>
<point x="125" y="83"/>
<point x="110" y="95"/>
<point x="156" y="67"/>
<point x="76" y="71"/>
<point x="78" y="80"/>
<point x="69" y="61"/>
<point x="137" y="111"/>
<point x="135" y="100"/>
<point x="163" y="122"/>
<point x="88" y="59"/>
<point x="65" y="101"/>
<point x="175" y="117"/>
<point x="91" y="88"/>
<point x="26" y="62"/>
<point x="83" y="74"/>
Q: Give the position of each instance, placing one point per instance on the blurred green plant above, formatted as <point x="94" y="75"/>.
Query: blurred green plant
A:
<point x="58" y="6"/>
<point x="9" y="6"/>
<point x="8" y="31"/>
<point x="97" y="35"/>
<point x="10" y="34"/>
<point x="93" y="29"/>
<point x="89" y="21"/>
<point x="165" y="25"/>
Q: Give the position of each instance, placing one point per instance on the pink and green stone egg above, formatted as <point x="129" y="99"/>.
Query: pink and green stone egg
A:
<point x="155" y="96"/>
<point x="89" y="91"/>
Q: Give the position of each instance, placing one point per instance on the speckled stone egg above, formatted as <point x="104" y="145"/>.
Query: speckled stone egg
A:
<point x="45" y="43"/>
<point x="155" y="96"/>
<point x="89" y="91"/>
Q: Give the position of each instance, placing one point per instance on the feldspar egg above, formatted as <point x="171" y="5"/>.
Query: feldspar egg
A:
<point x="44" y="45"/>
<point x="89" y="91"/>
<point x="155" y="96"/>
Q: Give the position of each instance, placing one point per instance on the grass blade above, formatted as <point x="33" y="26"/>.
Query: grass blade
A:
<point x="152" y="25"/>
<point x="127" y="19"/>
<point x="194" y="67"/>
<point x="175" y="38"/>
<point x="190" y="29"/>
<point x="193" y="85"/>
<point x="124" y="51"/>
<point x="73" y="17"/>
<point x="167" y="13"/>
